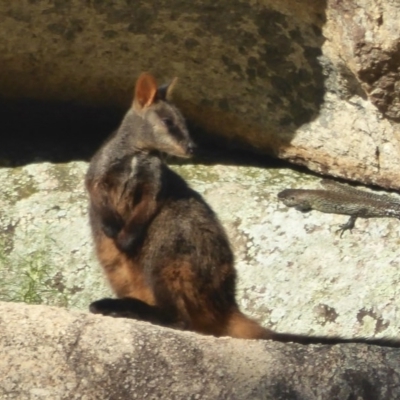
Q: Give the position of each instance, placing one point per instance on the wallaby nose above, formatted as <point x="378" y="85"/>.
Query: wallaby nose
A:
<point x="191" y="147"/>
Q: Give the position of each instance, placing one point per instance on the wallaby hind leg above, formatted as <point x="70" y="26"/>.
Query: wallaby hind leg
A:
<point x="210" y="308"/>
<point x="177" y="286"/>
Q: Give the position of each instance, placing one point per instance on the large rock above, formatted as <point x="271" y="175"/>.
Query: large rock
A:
<point x="314" y="82"/>
<point x="49" y="353"/>
<point x="368" y="42"/>
<point x="295" y="273"/>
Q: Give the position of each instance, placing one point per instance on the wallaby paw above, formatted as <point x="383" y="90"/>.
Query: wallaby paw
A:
<point x="111" y="230"/>
<point x="104" y="306"/>
<point x="127" y="241"/>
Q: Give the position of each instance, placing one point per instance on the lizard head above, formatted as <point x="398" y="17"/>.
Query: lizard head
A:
<point x="294" y="198"/>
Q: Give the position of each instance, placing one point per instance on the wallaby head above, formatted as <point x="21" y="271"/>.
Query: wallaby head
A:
<point x="154" y="123"/>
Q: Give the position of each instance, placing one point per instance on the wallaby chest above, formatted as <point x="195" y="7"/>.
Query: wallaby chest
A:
<point x="127" y="185"/>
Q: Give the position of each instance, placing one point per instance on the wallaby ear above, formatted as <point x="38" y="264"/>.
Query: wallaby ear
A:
<point x="145" y="90"/>
<point x="164" y="92"/>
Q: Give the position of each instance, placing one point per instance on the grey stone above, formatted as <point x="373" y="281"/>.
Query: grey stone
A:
<point x="295" y="273"/>
<point x="50" y="353"/>
<point x="313" y="82"/>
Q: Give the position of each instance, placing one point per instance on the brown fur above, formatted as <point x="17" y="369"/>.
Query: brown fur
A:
<point x="125" y="276"/>
<point x="162" y="248"/>
<point x="242" y="327"/>
<point x="158" y="241"/>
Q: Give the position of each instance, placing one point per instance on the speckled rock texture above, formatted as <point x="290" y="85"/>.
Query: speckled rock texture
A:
<point x="295" y="273"/>
<point x="314" y="82"/>
<point x="53" y="354"/>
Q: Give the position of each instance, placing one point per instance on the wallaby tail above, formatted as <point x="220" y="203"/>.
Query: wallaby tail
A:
<point x="332" y="340"/>
<point x="242" y="327"/>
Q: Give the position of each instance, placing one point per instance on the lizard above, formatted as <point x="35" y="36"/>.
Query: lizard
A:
<point x="342" y="199"/>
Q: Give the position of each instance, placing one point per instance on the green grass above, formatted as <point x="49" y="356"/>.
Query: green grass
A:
<point x="30" y="279"/>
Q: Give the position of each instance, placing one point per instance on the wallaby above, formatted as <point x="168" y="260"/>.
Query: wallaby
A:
<point x="163" y="249"/>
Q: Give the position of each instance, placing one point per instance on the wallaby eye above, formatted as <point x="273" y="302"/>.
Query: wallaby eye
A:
<point x="168" y="122"/>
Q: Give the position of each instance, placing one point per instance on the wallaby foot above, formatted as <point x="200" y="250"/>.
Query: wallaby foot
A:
<point x="135" y="309"/>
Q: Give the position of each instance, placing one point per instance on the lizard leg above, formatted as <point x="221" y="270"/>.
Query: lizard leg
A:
<point x="303" y="208"/>
<point x="348" y="226"/>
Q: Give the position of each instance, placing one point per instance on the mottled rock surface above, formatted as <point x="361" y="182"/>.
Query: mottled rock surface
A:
<point x="370" y="47"/>
<point x="49" y="353"/>
<point x="295" y="273"/>
<point x="314" y="82"/>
